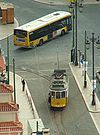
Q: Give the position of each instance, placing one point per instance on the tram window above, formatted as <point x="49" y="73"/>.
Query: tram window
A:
<point x="53" y="94"/>
<point x="57" y="94"/>
<point x="66" y="93"/>
<point x="63" y="94"/>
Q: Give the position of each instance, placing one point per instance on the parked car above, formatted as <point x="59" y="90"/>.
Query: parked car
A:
<point x="98" y="75"/>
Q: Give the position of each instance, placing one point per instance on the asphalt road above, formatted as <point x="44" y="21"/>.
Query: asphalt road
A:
<point x="36" y="66"/>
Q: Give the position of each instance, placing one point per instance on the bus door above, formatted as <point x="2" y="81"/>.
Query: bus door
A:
<point x="69" y="23"/>
<point x="49" y="32"/>
<point x="50" y="36"/>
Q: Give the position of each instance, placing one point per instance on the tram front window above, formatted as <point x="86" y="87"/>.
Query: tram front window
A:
<point x="53" y="94"/>
<point x="57" y="94"/>
<point x="63" y="94"/>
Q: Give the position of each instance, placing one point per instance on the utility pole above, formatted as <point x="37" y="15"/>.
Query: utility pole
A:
<point x="85" y="81"/>
<point x="76" y="61"/>
<point x="93" y="92"/>
<point x="7" y="60"/>
<point x="14" y="80"/>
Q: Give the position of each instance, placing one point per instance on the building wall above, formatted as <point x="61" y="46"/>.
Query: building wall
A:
<point x="5" y="98"/>
<point x="9" y="134"/>
<point x="10" y="116"/>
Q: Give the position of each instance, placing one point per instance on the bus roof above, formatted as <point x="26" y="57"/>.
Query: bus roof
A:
<point x="43" y="21"/>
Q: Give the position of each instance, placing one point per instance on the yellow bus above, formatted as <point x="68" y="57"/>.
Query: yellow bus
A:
<point x="43" y="29"/>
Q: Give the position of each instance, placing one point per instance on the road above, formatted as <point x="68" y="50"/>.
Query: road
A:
<point x="36" y="66"/>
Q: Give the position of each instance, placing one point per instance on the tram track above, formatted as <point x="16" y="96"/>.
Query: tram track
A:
<point x="57" y="118"/>
<point x="38" y="73"/>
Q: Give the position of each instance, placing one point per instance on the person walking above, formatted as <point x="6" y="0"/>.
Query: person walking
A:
<point x="23" y="85"/>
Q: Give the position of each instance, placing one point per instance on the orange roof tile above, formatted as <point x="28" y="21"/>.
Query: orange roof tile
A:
<point x="5" y="107"/>
<point x="11" y="126"/>
<point x="6" y="88"/>
<point x="2" y="63"/>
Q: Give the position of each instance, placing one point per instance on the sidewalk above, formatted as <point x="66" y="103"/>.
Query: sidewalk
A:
<point x="27" y="110"/>
<point x="87" y="95"/>
<point x="66" y="2"/>
<point x="7" y="30"/>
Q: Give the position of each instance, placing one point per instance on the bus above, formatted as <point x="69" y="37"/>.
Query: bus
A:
<point x="43" y="29"/>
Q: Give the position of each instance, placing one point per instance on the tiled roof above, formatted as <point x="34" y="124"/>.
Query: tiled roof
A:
<point x="11" y="126"/>
<point x="6" y="88"/>
<point x="6" y="107"/>
<point x="2" y="63"/>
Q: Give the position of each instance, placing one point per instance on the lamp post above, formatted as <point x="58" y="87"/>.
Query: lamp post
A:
<point x="8" y="59"/>
<point x="85" y="81"/>
<point x="73" y="45"/>
<point x="73" y="7"/>
<point x="73" y="28"/>
<point x="14" y="80"/>
<point x="76" y="61"/>
<point x="93" y="93"/>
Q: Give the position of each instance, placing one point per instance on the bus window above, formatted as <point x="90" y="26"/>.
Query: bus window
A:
<point x="63" y="94"/>
<point x="20" y="33"/>
<point x="63" y="22"/>
<point x="39" y="33"/>
<point x="57" y="94"/>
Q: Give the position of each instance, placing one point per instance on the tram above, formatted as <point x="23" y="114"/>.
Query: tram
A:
<point x="58" y="89"/>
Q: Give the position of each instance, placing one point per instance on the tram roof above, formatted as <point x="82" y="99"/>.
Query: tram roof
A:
<point x="59" y="86"/>
<point x="59" y="80"/>
<point x="43" y="21"/>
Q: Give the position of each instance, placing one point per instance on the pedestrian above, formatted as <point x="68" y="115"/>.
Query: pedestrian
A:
<point x="23" y="84"/>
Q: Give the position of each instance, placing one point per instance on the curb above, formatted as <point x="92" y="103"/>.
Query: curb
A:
<point x="92" y="111"/>
<point x="30" y="100"/>
<point x="64" y="2"/>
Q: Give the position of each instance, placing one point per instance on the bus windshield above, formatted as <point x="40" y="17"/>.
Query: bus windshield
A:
<point x="20" y="33"/>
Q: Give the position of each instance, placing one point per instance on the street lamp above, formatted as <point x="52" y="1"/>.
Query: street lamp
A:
<point x="8" y="59"/>
<point x="76" y="61"/>
<point x="73" y="46"/>
<point x="14" y="80"/>
<point x="74" y="49"/>
<point x="93" y="79"/>
<point x="85" y="66"/>
<point x="93" y="93"/>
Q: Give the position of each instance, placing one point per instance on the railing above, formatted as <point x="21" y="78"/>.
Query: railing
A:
<point x="30" y="100"/>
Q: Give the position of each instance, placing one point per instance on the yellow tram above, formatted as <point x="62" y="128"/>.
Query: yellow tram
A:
<point x="58" y="89"/>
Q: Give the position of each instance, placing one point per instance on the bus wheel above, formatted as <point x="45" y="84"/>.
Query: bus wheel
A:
<point x="62" y="32"/>
<point x="41" y="42"/>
